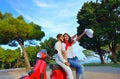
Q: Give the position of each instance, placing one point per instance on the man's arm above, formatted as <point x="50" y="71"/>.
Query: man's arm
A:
<point x="58" y="47"/>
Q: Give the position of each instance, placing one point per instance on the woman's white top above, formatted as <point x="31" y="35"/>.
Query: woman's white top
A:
<point x="69" y="51"/>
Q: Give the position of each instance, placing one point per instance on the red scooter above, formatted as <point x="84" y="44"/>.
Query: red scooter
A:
<point x="57" y="72"/>
<point x="39" y="70"/>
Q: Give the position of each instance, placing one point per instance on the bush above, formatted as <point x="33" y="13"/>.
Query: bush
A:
<point x="118" y="56"/>
<point x="110" y="56"/>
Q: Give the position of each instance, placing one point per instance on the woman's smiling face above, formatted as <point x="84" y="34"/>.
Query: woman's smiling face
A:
<point x="66" y="37"/>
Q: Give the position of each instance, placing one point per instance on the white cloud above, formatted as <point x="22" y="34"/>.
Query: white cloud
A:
<point x="65" y="13"/>
<point x="54" y="29"/>
<point x="17" y="10"/>
<point x="41" y="4"/>
<point x="26" y="16"/>
<point x="54" y="17"/>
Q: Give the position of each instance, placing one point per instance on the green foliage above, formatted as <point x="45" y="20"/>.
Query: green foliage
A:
<point x="11" y="55"/>
<point x="111" y="58"/>
<point x="86" y="19"/>
<point x="98" y="64"/>
<point x="8" y="56"/>
<point x="118" y="56"/>
<point x="2" y="55"/>
<point x="49" y="45"/>
<point x="88" y="53"/>
<point x="16" y="28"/>
<point x="104" y="19"/>
<point x="32" y="52"/>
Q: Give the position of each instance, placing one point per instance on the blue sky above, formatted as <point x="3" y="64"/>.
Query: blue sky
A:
<point x="54" y="16"/>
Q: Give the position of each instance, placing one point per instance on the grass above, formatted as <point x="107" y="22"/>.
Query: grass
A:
<point x="98" y="64"/>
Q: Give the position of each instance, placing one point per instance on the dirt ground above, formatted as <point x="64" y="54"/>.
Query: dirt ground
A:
<point x="106" y="72"/>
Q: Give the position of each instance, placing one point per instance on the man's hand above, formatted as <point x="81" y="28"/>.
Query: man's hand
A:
<point x="67" y="64"/>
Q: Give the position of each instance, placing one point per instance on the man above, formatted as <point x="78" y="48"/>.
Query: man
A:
<point x="60" y="60"/>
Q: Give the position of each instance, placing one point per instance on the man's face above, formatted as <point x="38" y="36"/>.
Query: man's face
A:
<point x="61" y="38"/>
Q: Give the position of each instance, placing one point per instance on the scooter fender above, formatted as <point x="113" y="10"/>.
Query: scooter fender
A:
<point x="58" y="73"/>
<point x="38" y="71"/>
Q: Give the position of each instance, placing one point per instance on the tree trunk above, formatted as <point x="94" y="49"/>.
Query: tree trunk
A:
<point x="18" y="61"/>
<point x="2" y="65"/>
<point x="27" y="63"/>
<point x="114" y="54"/>
<point x="96" y="1"/>
<point x="10" y="66"/>
<point x="113" y="49"/>
<point x="100" y="54"/>
<point x="101" y="58"/>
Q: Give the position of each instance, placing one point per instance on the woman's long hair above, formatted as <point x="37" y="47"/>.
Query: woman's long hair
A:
<point x="70" y="40"/>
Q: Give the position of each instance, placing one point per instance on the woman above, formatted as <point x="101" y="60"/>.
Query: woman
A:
<point x="72" y="59"/>
<point x="60" y="60"/>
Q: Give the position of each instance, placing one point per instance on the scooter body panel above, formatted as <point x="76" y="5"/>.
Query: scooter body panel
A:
<point x="58" y="73"/>
<point x="38" y="71"/>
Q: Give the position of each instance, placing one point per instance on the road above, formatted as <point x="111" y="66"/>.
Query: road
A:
<point x="99" y="72"/>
